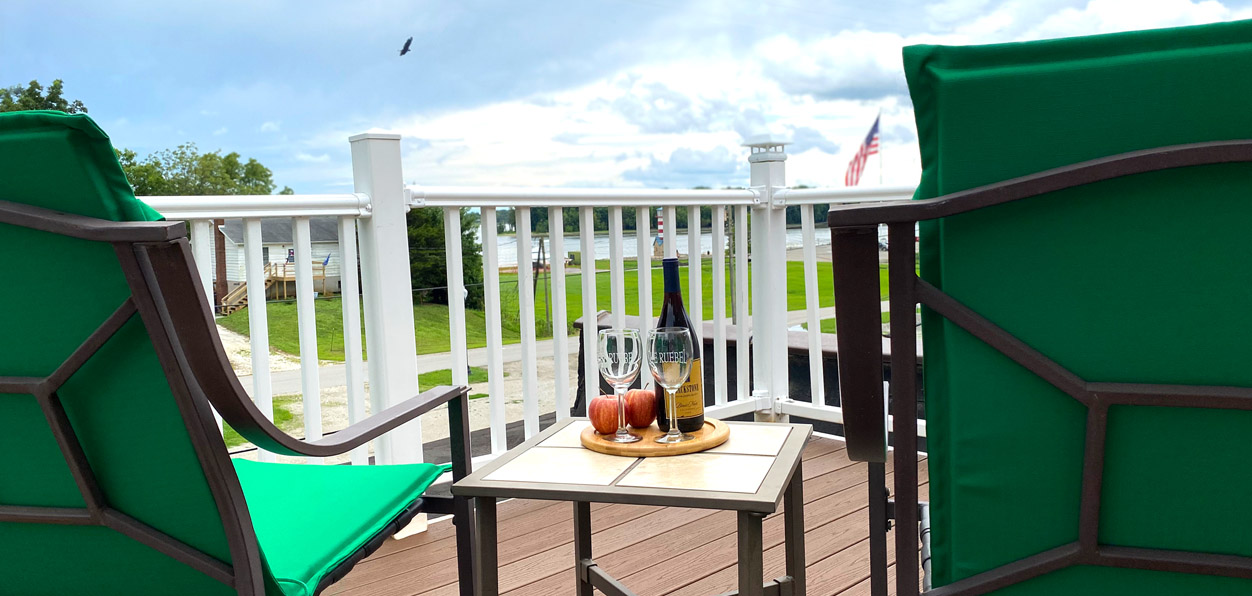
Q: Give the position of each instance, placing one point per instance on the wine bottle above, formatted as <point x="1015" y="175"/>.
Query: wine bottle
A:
<point x="690" y="397"/>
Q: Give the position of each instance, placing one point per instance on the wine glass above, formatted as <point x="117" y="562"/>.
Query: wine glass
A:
<point x="669" y="358"/>
<point x="620" y="354"/>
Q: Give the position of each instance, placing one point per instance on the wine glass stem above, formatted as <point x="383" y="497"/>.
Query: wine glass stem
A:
<point x="671" y="407"/>
<point x="620" y="391"/>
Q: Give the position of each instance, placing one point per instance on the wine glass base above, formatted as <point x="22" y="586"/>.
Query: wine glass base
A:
<point x="626" y="438"/>
<point x="667" y="439"/>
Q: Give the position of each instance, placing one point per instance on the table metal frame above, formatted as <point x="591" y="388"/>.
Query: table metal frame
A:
<point x="783" y="483"/>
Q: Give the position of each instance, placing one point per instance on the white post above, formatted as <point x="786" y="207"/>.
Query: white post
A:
<point x="769" y="280"/>
<point x="719" y="304"/>
<point x="817" y="381"/>
<point x="258" y="325"/>
<point x="202" y="249"/>
<point x="743" y="389"/>
<point x="617" y="272"/>
<point x="495" y="341"/>
<point x="350" y="297"/>
<point x="526" y="316"/>
<point x="456" y="294"/>
<point x="643" y="266"/>
<point x="591" y="323"/>
<point x="387" y="288"/>
<point x="560" y="338"/>
<point x="306" y="322"/>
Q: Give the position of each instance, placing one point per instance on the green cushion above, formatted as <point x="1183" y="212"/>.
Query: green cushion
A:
<point x="57" y="291"/>
<point x="308" y="519"/>
<point x="1130" y="280"/>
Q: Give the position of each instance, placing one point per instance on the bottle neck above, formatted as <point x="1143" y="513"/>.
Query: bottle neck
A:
<point x="669" y="270"/>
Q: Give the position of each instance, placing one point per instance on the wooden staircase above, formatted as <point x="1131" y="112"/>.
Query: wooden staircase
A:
<point x="237" y="298"/>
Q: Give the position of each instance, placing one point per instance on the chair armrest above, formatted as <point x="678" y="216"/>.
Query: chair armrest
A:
<point x="858" y="327"/>
<point x="262" y="433"/>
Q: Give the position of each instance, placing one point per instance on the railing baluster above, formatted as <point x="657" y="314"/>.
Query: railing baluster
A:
<point x="719" y="304"/>
<point x="817" y="385"/>
<point x="617" y="273"/>
<point x="695" y="276"/>
<point x="350" y="296"/>
<point x="258" y="329"/>
<point x="526" y="304"/>
<point x="586" y="234"/>
<point x="202" y="251"/>
<point x="671" y="233"/>
<point x="306" y="321"/>
<point x="560" y="337"/>
<point x="643" y="266"/>
<point x="495" y="337"/>
<point x="743" y="329"/>
<point x="456" y="294"/>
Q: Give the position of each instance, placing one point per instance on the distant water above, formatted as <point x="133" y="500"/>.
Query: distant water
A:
<point x="507" y="245"/>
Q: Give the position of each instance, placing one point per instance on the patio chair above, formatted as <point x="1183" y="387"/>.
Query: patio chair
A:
<point x="115" y="478"/>
<point x="1085" y="206"/>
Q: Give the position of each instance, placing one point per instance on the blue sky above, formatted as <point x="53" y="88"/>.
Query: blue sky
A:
<point x="652" y="93"/>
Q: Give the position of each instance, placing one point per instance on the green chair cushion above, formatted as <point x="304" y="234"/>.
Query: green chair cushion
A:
<point x="309" y="518"/>
<point x="64" y="162"/>
<point x="1129" y="280"/>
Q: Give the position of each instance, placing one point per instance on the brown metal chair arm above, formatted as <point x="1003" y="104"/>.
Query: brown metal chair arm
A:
<point x="858" y="327"/>
<point x="248" y="421"/>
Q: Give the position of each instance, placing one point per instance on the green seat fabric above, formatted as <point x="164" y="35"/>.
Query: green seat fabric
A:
<point x="1138" y="279"/>
<point x="308" y="519"/>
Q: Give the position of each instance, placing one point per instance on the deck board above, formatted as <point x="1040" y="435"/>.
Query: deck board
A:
<point x="652" y="550"/>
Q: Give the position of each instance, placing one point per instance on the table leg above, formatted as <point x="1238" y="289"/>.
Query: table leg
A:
<point x="793" y="529"/>
<point x="751" y="566"/>
<point x="582" y="547"/>
<point x="486" y="571"/>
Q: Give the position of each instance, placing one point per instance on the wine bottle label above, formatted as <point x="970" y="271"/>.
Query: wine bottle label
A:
<point x="690" y="397"/>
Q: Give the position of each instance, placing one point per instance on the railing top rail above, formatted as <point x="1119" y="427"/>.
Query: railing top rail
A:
<point x="855" y="194"/>
<point x="252" y="206"/>
<point x="471" y="196"/>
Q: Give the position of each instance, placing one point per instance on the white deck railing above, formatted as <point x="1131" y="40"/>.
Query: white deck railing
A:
<point x="374" y="218"/>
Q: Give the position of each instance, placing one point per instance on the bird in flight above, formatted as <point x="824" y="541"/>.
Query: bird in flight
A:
<point x="408" y="42"/>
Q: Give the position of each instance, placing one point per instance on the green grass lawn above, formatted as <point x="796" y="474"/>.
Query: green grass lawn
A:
<point x="431" y="320"/>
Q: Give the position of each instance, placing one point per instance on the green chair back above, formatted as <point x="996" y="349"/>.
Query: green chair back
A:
<point x="1139" y="279"/>
<point x="57" y="290"/>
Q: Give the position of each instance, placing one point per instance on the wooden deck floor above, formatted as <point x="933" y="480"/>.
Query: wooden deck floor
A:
<point x="652" y="550"/>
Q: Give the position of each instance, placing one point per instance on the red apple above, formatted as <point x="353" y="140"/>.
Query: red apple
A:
<point x="603" y="414"/>
<point x="640" y="407"/>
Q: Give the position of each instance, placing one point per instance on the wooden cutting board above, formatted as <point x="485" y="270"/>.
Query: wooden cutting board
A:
<point x="714" y="433"/>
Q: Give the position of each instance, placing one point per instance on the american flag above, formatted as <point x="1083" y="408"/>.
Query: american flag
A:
<point x="857" y="165"/>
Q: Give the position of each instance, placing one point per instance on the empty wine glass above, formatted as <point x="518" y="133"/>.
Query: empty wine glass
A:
<point x="620" y="354"/>
<point x="669" y="358"/>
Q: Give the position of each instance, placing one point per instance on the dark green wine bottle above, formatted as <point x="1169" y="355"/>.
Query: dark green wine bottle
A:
<point x="690" y="397"/>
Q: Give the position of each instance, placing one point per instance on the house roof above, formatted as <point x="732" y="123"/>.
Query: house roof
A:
<point x="278" y="230"/>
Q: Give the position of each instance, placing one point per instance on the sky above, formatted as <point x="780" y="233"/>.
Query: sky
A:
<point x="593" y="93"/>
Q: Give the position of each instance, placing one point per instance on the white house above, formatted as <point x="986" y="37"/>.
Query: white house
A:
<point x="277" y="247"/>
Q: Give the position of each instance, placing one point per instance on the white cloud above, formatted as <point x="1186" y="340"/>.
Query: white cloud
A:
<point x="221" y="131"/>
<point x="679" y="122"/>
<point x="308" y="158"/>
<point x="270" y="126"/>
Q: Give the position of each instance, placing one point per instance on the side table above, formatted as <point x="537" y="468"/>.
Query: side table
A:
<point x="754" y="471"/>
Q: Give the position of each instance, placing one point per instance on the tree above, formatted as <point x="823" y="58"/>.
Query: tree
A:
<point x="428" y="258"/>
<point x="183" y="170"/>
<point x="32" y="97"/>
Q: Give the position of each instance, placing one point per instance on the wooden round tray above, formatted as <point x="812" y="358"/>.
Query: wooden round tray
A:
<point x="714" y="433"/>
